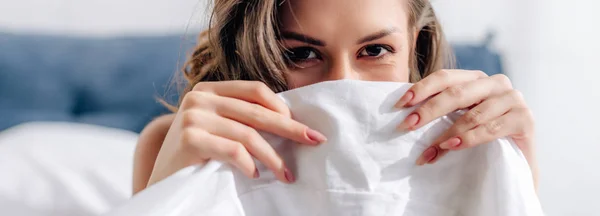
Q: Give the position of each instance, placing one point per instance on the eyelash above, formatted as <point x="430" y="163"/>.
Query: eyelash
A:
<point x="288" y="53"/>
<point x="318" y="55"/>
<point x="386" y="47"/>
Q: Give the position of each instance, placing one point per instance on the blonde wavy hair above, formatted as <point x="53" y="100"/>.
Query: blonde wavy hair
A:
<point x="242" y="43"/>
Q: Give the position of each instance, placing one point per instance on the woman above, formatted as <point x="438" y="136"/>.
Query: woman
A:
<point x="254" y="49"/>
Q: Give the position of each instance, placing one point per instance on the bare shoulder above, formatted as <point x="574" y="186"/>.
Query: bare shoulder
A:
<point x="159" y="124"/>
<point x="149" y="143"/>
<point x="154" y="133"/>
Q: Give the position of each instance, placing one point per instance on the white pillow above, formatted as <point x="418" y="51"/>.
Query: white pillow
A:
<point x="64" y="169"/>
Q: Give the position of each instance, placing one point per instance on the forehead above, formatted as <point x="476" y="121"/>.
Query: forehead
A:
<point x="343" y="15"/>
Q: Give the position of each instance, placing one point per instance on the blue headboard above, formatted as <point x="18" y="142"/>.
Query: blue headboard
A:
<point x="479" y="56"/>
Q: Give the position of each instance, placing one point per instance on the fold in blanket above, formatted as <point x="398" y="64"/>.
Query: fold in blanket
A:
<point x="366" y="167"/>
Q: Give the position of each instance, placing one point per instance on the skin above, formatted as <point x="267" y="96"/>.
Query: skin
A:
<point x="330" y="40"/>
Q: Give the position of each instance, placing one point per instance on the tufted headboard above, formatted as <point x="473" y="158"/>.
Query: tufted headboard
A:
<point x="111" y="81"/>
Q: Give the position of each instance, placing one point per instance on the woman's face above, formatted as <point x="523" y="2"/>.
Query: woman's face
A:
<point x="346" y="39"/>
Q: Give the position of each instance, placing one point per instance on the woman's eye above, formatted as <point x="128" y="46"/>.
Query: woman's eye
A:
<point x="301" y="54"/>
<point x="374" y="51"/>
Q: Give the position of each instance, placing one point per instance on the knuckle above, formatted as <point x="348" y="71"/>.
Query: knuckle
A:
<point x="189" y="138"/>
<point x="456" y="91"/>
<point x="418" y="87"/>
<point x="493" y="127"/>
<point x="235" y="152"/>
<point x="443" y="74"/>
<point x="285" y="111"/>
<point x="428" y="109"/>
<point x="194" y="99"/>
<point x="250" y="136"/>
<point x="260" y="89"/>
<point x="517" y="95"/>
<point x="202" y="86"/>
<point x="503" y="80"/>
<point x="190" y="118"/>
<point x="480" y="73"/>
<point x="473" y="117"/>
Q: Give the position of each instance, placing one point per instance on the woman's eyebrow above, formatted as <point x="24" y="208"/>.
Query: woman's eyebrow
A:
<point x="377" y="35"/>
<point x="302" y="38"/>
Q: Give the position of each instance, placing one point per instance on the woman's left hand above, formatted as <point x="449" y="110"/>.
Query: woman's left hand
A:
<point x="496" y="111"/>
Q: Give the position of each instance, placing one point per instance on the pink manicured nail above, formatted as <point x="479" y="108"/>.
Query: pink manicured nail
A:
<point x="409" y="122"/>
<point x="451" y="143"/>
<point x="315" y="136"/>
<point x="256" y="173"/>
<point x="289" y="176"/>
<point x="408" y="96"/>
<point x="428" y="155"/>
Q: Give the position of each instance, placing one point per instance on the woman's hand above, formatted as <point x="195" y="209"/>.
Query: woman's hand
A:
<point x="496" y="111"/>
<point x="219" y="120"/>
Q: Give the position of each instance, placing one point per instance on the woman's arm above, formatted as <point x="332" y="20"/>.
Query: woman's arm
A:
<point x="146" y="151"/>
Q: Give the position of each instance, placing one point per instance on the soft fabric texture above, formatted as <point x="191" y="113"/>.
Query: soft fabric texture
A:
<point x="112" y="81"/>
<point x="367" y="167"/>
<point x="64" y="169"/>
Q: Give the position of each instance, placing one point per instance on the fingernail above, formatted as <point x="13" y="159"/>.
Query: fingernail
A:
<point x="428" y="155"/>
<point x="409" y="122"/>
<point x="409" y="95"/>
<point x="289" y="176"/>
<point x="451" y="143"/>
<point x="436" y="158"/>
<point x="315" y="136"/>
<point x="256" y="173"/>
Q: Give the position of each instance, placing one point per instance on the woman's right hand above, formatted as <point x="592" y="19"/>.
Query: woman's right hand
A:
<point x="219" y="120"/>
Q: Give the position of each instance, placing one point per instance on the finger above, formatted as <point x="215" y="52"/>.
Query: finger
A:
<point x="500" y="127"/>
<point x="264" y="119"/>
<point x="506" y="125"/>
<point x="255" y="116"/>
<point x="454" y="98"/>
<point x="435" y="83"/>
<point x="256" y="145"/>
<point x="489" y="109"/>
<point x="250" y="91"/>
<point x="247" y="136"/>
<point x="428" y="155"/>
<point x="209" y="146"/>
<point x="439" y="152"/>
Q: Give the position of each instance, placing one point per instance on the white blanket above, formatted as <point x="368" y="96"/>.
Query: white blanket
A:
<point x="367" y="167"/>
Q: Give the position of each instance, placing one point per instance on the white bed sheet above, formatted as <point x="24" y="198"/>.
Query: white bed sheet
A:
<point x="367" y="167"/>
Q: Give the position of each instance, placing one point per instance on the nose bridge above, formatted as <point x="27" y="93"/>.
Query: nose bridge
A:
<point x="341" y="68"/>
